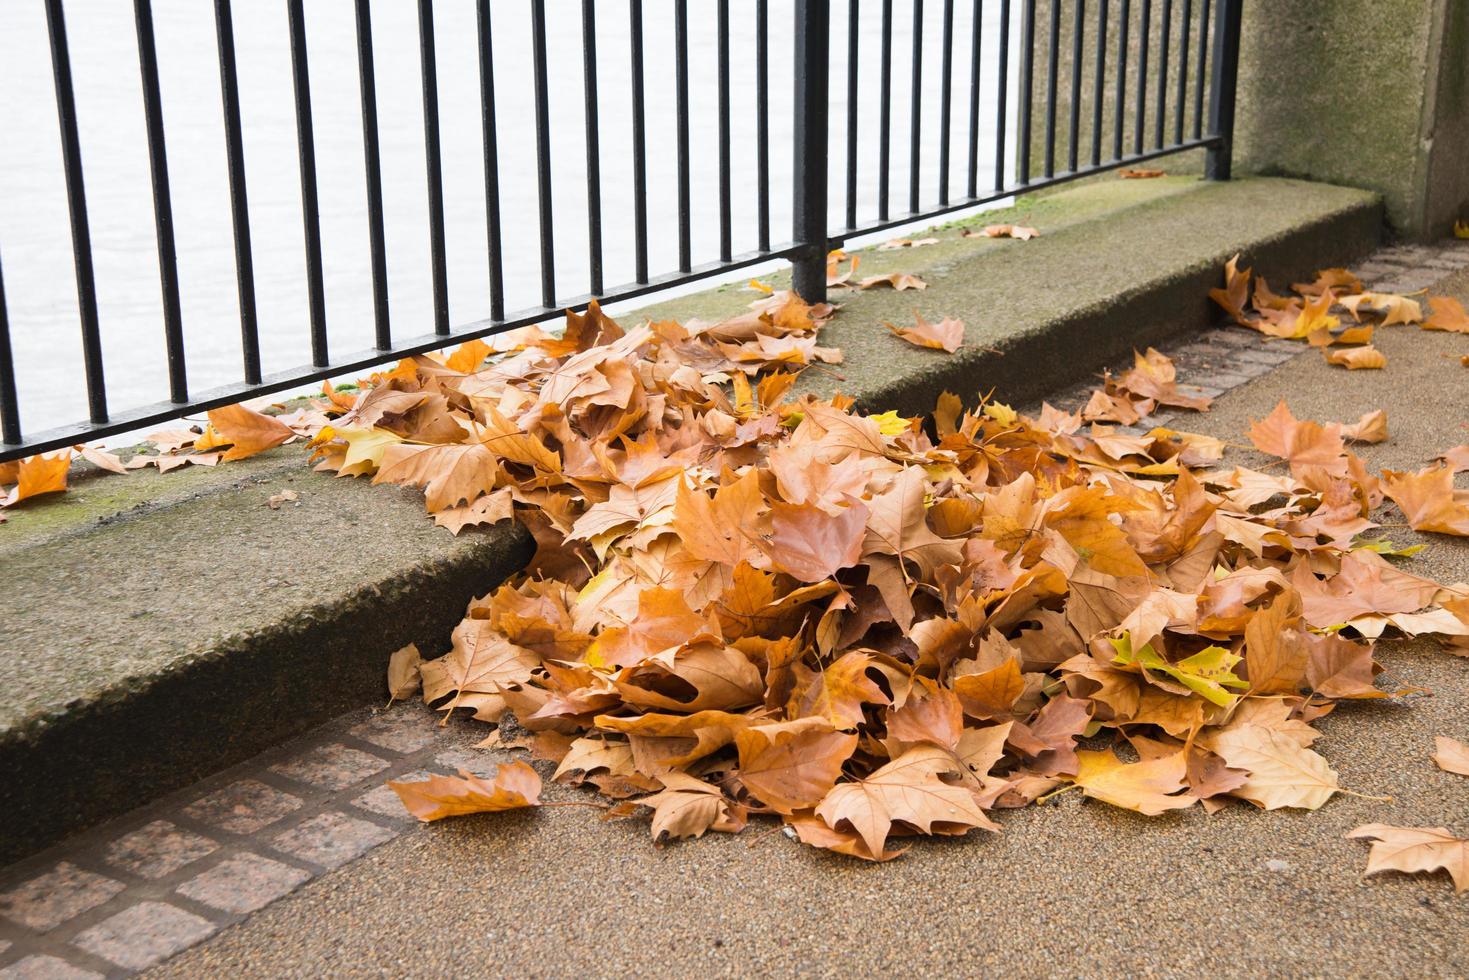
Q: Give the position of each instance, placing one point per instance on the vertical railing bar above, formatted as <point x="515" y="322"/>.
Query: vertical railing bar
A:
<point x="9" y="404"/>
<point x="972" y="187"/>
<point x="1052" y="67"/>
<point x="1160" y="114"/>
<point x="168" y="269"/>
<point x="1002" y="79"/>
<point x="1099" y="83"/>
<point x="1182" y="97"/>
<point x="915" y="121"/>
<point x="762" y="122"/>
<point x="594" y="150"/>
<point x="310" y="210"/>
<point x="946" y="82"/>
<point x="853" y="14"/>
<point x="1027" y="70"/>
<point x="1144" y="30"/>
<point x="885" y="111"/>
<point x="1077" y="32"/>
<point x="490" y="141"/>
<point x="639" y="144"/>
<point x="543" y="153"/>
<point x="372" y="162"/>
<point x="229" y="88"/>
<point x="812" y="37"/>
<point x="1202" y="70"/>
<point x="76" y="200"/>
<point x="1124" y="19"/>
<point x="1218" y="159"/>
<point x="726" y="248"/>
<point x="428" y="62"/>
<point x="681" y="124"/>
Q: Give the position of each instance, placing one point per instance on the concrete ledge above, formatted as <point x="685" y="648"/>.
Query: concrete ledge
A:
<point x="161" y="627"/>
<point x="148" y="643"/>
<point x="1120" y="264"/>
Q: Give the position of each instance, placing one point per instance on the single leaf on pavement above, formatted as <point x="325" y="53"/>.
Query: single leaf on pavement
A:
<point x="1414" y="849"/>
<point x="39" y="474"/>
<point x="403" y="676"/>
<point x="247" y="432"/>
<point x="1356" y="358"/>
<point x="515" y="786"/>
<point x="946" y="335"/>
<point x="1451" y="755"/>
<point x="1429" y="500"/>
<point x="1448" y="314"/>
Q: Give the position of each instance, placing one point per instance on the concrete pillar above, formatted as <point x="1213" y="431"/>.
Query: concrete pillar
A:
<point x="1364" y="93"/>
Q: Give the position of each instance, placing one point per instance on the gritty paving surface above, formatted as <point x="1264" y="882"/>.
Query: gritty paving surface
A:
<point x="1071" y="888"/>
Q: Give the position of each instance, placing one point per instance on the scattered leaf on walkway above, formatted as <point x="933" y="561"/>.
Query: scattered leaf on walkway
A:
<point x="897" y="280"/>
<point x="1414" y="849"/>
<point x="245" y="431"/>
<point x="275" y="500"/>
<point x="1357" y="358"/>
<point x="1429" y="500"/>
<point x="1448" y="314"/>
<point x="1002" y="231"/>
<point x="40" y="474"/>
<point x="898" y="243"/>
<point x="403" y="676"/>
<point x="515" y="785"/>
<point x="1138" y="173"/>
<point x="946" y="335"/>
<point x="1451" y="755"/>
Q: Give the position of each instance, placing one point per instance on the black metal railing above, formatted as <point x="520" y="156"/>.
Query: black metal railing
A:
<point x="1206" y="85"/>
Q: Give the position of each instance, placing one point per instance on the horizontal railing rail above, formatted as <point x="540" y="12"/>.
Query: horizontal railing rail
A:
<point x="1199" y="76"/>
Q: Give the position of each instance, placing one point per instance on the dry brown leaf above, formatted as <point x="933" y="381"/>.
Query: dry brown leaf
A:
<point x="515" y="786"/>
<point x="1357" y="358"/>
<point x="1002" y="231"/>
<point x="404" y="679"/>
<point x="1451" y="755"/>
<point x="946" y="335"/>
<point x="1448" y="315"/>
<point x="246" y="432"/>
<point x="1414" y="849"/>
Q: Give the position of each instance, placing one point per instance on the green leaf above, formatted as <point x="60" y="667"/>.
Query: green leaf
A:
<point x="1206" y="673"/>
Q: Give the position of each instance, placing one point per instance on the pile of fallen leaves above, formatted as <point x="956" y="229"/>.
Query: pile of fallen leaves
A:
<point x="748" y="602"/>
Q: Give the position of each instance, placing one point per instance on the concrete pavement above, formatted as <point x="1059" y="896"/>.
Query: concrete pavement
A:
<point x="1071" y="888"/>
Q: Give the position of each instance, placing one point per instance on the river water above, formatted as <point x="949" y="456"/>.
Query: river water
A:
<point x="35" y="245"/>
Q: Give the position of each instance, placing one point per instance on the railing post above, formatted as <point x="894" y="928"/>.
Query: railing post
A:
<point x="808" y="197"/>
<point x="1221" y="89"/>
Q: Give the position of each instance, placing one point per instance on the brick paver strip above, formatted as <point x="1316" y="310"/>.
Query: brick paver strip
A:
<point x="158" y="849"/>
<point x="46" y="968"/>
<point x="385" y="801"/>
<point x="244" y="883"/>
<point x="333" y="766"/>
<point x="332" y="839"/>
<point x="396" y="731"/>
<point x="145" y="934"/>
<point x="64" y="892"/>
<point x="243" y="807"/>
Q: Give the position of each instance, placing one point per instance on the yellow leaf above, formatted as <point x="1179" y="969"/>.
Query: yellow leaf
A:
<point x="39" y="474"/>
<point x="1146" y="787"/>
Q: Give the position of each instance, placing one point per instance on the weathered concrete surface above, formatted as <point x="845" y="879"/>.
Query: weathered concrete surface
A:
<point x="143" y="611"/>
<point x="1118" y="265"/>
<point x="1072" y="888"/>
<point x="159" y="627"/>
<point x="1363" y="93"/>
